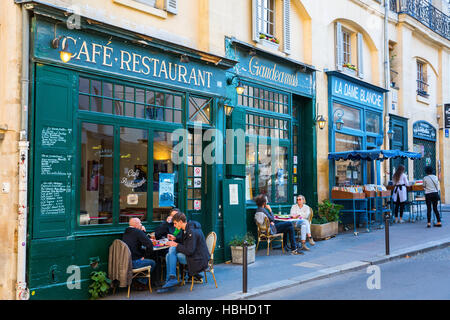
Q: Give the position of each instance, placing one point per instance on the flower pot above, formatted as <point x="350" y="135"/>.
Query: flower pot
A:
<point x="322" y="231"/>
<point x="269" y="44"/>
<point x="237" y="254"/>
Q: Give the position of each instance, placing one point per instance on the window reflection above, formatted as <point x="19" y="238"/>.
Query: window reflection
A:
<point x="96" y="187"/>
<point x="133" y="174"/>
<point x="165" y="176"/>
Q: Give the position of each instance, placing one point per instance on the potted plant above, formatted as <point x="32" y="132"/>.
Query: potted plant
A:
<point x="237" y="247"/>
<point x="269" y="41"/>
<point x="325" y="223"/>
<point x="100" y="284"/>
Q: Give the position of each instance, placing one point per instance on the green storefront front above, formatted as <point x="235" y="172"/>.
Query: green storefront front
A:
<point x="102" y="126"/>
<point x="125" y="118"/>
<point x="276" y="110"/>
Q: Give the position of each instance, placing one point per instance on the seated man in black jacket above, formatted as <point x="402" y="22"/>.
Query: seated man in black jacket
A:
<point x="136" y="238"/>
<point x="192" y="251"/>
<point x="168" y="230"/>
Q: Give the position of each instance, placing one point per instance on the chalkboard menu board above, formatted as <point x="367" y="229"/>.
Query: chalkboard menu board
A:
<point x="56" y="165"/>
<point x="447" y="115"/>
<point x="55" y="137"/>
<point x="53" y="198"/>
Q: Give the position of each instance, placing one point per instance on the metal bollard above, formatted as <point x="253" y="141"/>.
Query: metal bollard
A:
<point x="244" y="268"/>
<point x="386" y="231"/>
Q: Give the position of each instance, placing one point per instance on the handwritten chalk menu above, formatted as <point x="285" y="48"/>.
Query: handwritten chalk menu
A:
<point x="53" y="195"/>
<point x="55" y="137"/>
<point x="56" y="165"/>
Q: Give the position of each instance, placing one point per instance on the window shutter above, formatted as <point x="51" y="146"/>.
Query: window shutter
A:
<point x="171" y="6"/>
<point x="339" y="49"/>
<point x="287" y="25"/>
<point x="256" y="19"/>
<point x="360" y="56"/>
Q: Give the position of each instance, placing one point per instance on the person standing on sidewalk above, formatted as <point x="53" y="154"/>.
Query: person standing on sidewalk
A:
<point x="431" y="187"/>
<point x="400" y="194"/>
<point x="302" y="211"/>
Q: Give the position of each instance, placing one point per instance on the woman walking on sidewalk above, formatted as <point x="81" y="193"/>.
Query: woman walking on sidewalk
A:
<point x="431" y="186"/>
<point x="399" y="195"/>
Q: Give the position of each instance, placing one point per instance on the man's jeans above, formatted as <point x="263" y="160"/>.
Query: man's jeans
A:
<point x="140" y="263"/>
<point x="305" y="228"/>
<point x="171" y="262"/>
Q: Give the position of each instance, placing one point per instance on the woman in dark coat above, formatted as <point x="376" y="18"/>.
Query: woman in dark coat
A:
<point x="284" y="227"/>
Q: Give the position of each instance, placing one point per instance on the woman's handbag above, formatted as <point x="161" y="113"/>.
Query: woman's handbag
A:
<point x="436" y="195"/>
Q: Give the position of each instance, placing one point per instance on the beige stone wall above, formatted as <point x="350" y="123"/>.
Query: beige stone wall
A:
<point x="10" y="48"/>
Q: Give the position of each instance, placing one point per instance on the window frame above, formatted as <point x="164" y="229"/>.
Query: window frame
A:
<point x="422" y="78"/>
<point x="263" y="23"/>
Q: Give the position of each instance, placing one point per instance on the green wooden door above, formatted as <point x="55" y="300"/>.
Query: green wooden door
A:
<point x="53" y="188"/>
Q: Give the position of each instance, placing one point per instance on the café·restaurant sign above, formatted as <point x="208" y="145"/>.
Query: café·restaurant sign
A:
<point x="356" y="93"/>
<point x="275" y="72"/>
<point x="424" y="130"/>
<point x="124" y="58"/>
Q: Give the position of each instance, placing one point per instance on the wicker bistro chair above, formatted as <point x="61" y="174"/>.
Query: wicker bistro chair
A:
<point x="298" y="230"/>
<point x="264" y="233"/>
<point x="211" y="240"/>
<point x="144" y="272"/>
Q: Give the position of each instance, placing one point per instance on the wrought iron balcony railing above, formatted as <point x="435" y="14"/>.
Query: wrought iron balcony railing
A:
<point x="422" y="88"/>
<point x="424" y="12"/>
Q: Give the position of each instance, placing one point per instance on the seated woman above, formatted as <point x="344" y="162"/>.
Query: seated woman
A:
<point x="303" y="211"/>
<point x="284" y="227"/>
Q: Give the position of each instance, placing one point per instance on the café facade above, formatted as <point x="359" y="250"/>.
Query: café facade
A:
<point x="119" y="125"/>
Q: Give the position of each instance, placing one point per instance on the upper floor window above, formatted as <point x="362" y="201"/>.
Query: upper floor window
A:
<point x="265" y="18"/>
<point x="265" y="28"/>
<point x="346" y="47"/>
<point x="422" y="83"/>
<point x="349" y="51"/>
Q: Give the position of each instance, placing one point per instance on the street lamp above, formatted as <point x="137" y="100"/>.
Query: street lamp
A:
<point x="390" y="133"/>
<point x="64" y="54"/>
<point x="240" y="88"/>
<point x="321" y="121"/>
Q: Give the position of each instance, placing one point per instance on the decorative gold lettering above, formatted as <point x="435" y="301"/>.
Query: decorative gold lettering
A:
<point x="209" y="78"/>
<point x="182" y="74"/>
<point x="127" y="62"/>
<point x="136" y="62"/>
<point x="95" y="53"/>
<point x="146" y="66"/>
<point x="174" y="78"/>
<point x="162" y="69"/>
<point x="193" y="76"/>
<point x="74" y="46"/>
<point x="155" y="61"/>
<point x="107" y="55"/>
<point x="84" y="51"/>
<point x="201" y="78"/>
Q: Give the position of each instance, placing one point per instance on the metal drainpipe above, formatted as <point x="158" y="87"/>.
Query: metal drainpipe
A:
<point x="22" y="292"/>
<point x="387" y="78"/>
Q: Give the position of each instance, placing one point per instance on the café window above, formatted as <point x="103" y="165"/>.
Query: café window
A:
<point x="200" y="109"/>
<point x="97" y="167"/>
<point x="264" y="99"/>
<point x="129" y="101"/>
<point x="165" y="176"/>
<point x="266" y="171"/>
<point x="373" y="121"/>
<point x="350" y="116"/>
<point x="133" y="174"/>
<point x="347" y="172"/>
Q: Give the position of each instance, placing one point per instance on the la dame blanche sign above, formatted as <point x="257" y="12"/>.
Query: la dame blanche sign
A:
<point x="356" y="93"/>
<point x="127" y="59"/>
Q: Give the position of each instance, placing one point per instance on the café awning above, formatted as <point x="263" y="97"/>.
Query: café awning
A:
<point x="375" y="154"/>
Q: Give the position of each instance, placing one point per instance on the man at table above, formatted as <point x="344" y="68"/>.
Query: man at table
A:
<point x="136" y="238"/>
<point x="302" y="211"/>
<point x="192" y="252"/>
<point x="167" y="228"/>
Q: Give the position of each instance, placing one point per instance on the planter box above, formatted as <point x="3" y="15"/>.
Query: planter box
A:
<point x="338" y="194"/>
<point x="237" y="254"/>
<point x="269" y="44"/>
<point x="322" y="231"/>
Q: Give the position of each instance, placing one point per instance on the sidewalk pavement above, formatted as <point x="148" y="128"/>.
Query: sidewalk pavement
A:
<point x="343" y="253"/>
